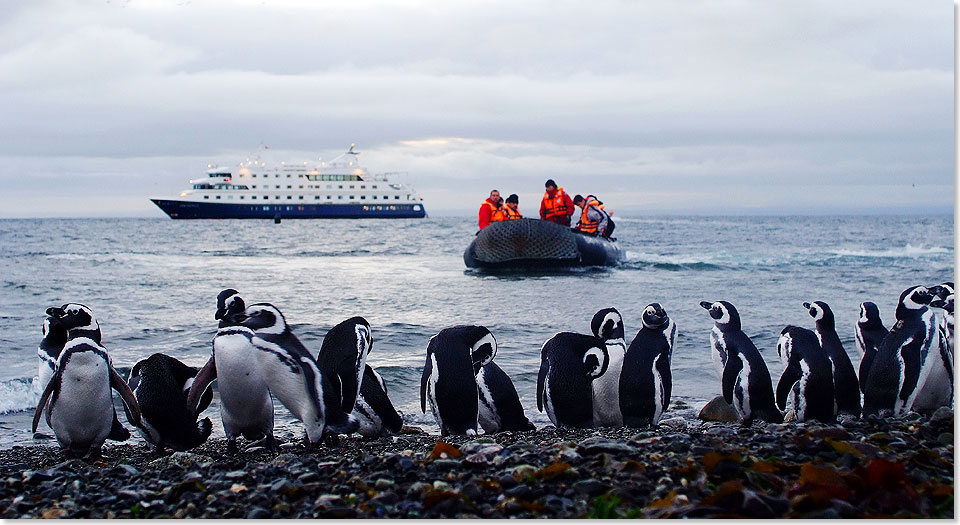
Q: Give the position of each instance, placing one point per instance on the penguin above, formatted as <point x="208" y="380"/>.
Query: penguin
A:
<point x="81" y="324"/>
<point x="942" y="303"/>
<point x="54" y="337"/>
<point x="374" y="411"/>
<point x="499" y="409"/>
<point x="448" y="383"/>
<point x="646" y="382"/>
<point x="846" y="386"/>
<point x="744" y="377"/>
<point x="229" y="303"/>
<point x="342" y="360"/>
<point x="246" y="408"/>
<point x="607" y="324"/>
<point x="937" y="390"/>
<point x="870" y="333"/>
<point x="902" y="363"/>
<point x="808" y="374"/>
<point x="78" y="400"/>
<point x="569" y="363"/>
<point x="293" y="375"/>
<point x="161" y="383"/>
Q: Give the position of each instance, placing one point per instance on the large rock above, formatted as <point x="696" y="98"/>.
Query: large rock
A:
<point x="719" y="410"/>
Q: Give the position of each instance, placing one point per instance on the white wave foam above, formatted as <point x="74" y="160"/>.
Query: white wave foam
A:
<point x="909" y="250"/>
<point x="19" y="394"/>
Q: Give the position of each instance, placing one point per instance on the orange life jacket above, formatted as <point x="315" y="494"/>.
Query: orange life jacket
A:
<point x="509" y="214"/>
<point x="496" y="214"/>
<point x="586" y="225"/>
<point x="554" y="206"/>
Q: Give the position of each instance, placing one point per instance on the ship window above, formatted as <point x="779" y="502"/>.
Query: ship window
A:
<point x="328" y="197"/>
<point x="300" y="176"/>
<point x="316" y="197"/>
<point x="352" y="197"/>
<point x="385" y="197"/>
<point x="206" y="196"/>
<point x="266" y="208"/>
<point x="254" y="186"/>
<point x="300" y="197"/>
<point x="374" y="186"/>
<point x="374" y="197"/>
<point x="289" y="197"/>
<point x="363" y="197"/>
<point x="266" y="197"/>
<point x="288" y="175"/>
<point x="408" y="197"/>
<point x="340" y="187"/>
<point x="254" y="175"/>
<point x="301" y="186"/>
<point x="397" y="197"/>
<point x="241" y="197"/>
<point x="340" y="197"/>
<point x="289" y="186"/>
<point x="416" y="207"/>
<point x="277" y="176"/>
<point x="218" y="197"/>
<point x="362" y="187"/>
<point x="351" y="186"/>
<point x="278" y="186"/>
<point x="252" y="197"/>
<point x="276" y="198"/>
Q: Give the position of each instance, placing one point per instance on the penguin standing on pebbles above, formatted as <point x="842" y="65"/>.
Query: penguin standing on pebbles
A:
<point x="646" y="381"/>
<point x="374" y="411"/>
<point x="808" y="374"/>
<point x="846" y="386"/>
<point x="607" y="324"/>
<point x="744" y="378"/>
<point x="500" y="408"/>
<point x="905" y="358"/>
<point x="569" y="363"/>
<point x="870" y="333"/>
<point x="77" y="400"/>
<point x="448" y="384"/>
<point x="160" y="384"/>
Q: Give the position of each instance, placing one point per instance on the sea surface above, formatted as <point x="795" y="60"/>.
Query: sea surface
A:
<point x="153" y="283"/>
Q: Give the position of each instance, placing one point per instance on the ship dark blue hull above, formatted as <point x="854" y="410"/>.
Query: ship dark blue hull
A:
<point x="210" y="210"/>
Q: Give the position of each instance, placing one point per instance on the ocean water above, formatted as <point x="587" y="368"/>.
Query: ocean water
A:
<point x="153" y="284"/>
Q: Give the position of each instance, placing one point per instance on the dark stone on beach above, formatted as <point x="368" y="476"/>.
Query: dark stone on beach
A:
<point x="594" y="446"/>
<point x="508" y="481"/>
<point x="589" y="487"/>
<point x="519" y="492"/>
<point x="258" y="513"/>
<point x="35" y="477"/>
<point x="718" y="410"/>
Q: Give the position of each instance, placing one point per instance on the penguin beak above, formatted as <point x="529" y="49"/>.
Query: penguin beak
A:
<point x="806" y="305"/>
<point x="219" y="314"/>
<point x="55" y="312"/>
<point x="705" y="305"/>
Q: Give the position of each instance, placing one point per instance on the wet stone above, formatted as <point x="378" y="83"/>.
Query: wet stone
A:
<point x="507" y="481"/>
<point x="589" y="486"/>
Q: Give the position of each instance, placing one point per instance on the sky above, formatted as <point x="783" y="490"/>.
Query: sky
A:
<point x="657" y="107"/>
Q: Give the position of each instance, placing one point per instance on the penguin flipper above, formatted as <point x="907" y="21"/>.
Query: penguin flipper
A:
<point x="427" y="372"/>
<point x="865" y="363"/>
<point x="348" y="384"/>
<point x="912" y="364"/>
<point x="43" y="401"/>
<point x="666" y="379"/>
<point x="199" y="388"/>
<point x="791" y="374"/>
<point x="129" y="400"/>
<point x="541" y="380"/>
<point x="731" y="371"/>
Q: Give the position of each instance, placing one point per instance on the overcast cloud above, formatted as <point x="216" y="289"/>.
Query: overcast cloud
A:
<point x="677" y="107"/>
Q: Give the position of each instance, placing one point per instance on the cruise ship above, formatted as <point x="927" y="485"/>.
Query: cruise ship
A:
<point x="338" y="189"/>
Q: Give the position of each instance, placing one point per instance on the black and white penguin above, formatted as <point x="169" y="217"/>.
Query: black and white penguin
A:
<point x="81" y="325"/>
<point x="500" y="408"/>
<point x="646" y="380"/>
<point x="54" y="337"/>
<point x="846" y="386"/>
<point x="903" y="363"/>
<point x="293" y="375"/>
<point x="78" y="400"/>
<point x="342" y="360"/>
<point x="374" y="411"/>
<point x="942" y="304"/>
<point x="569" y="362"/>
<point x="229" y="303"/>
<point x="744" y="378"/>
<point x="808" y="374"/>
<point x="870" y="333"/>
<point x="160" y="384"/>
<point x="937" y="390"/>
<point x="448" y="384"/>
<point x="246" y="408"/>
<point x="607" y="324"/>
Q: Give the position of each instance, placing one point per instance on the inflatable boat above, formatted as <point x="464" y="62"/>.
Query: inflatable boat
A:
<point x="532" y="243"/>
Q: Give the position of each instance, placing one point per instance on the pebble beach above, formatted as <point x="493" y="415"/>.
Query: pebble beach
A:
<point x="871" y="468"/>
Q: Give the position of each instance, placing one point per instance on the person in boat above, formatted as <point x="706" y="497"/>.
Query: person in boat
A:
<point x="556" y="205"/>
<point x="594" y="218"/>
<point x="510" y="209"/>
<point x="491" y="210"/>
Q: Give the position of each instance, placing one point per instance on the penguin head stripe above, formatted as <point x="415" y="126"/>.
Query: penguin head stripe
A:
<point x="915" y="298"/>
<point x="76" y="316"/>
<point x="654" y="317"/>
<point x="264" y="318"/>
<point x="723" y="313"/>
<point x="814" y="310"/>
<point x="484" y="350"/>
<point x="229" y="301"/>
<point x="607" y="324"/>
<point x="596" y="361"/>
<point x="785" y="346"/>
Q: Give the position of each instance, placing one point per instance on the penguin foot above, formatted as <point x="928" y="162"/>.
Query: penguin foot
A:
<point x="232" y="446"/>
<point x="117" y="431"/>
<point x="266" y="442"/>
<point x="41" y="435"/>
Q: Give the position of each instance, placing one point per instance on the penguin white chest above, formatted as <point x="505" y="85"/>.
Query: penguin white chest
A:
<point x="244" y="395"/>
<point x="487" y="414"/>
<point x="83" y="412"/>
<point x="606" y="389"/>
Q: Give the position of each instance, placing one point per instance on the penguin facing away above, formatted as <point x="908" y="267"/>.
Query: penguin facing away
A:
<point x="374" y="411"/>
<point x="646" y="380"/>
<point x="745" y="380"/>
<point x="500" y="409"/>
<point x="448" y="384"/>
<point x="160" y="383"/>
<point x="901" y="365"/>
<point x="569" y="363"/>
<point x="607" y="324"/>
<point x="937" y="390"/>
<point x="342" y="360"/>
<point x="78" y="400"/>
<point x="246" y="407"/>
<point x="846" y="386"/>
<point x="870" y="333"/>
<point x="807" y="374"/>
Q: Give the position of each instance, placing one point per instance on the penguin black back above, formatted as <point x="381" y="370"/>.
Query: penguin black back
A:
<point x="373" y="396"/>
<point x="646" y="380"/>
<point x="569" y="362"/>
<point x="870" y="333"/>
<point x="160" y="384"/>
<point x="342" y="357"/>
<point x="454" y="357"/>
<point x="498" y="390"/>
<point x="846" y="386"/>
<point x="807" y="373"/>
